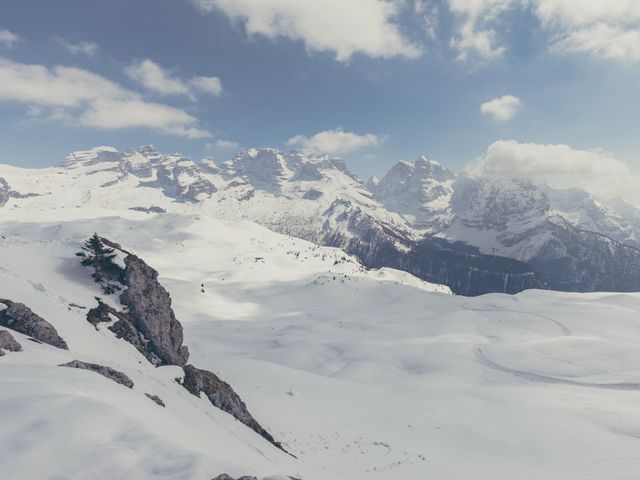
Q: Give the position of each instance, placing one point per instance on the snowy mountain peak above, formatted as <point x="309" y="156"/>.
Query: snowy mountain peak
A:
<point x="420" y="190"/>
<point x="91" y="157"/>
<point x="175" y="175"/>
<point x="431" y="169"/>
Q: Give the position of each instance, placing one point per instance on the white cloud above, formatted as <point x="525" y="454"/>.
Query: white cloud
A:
<point x="135" y="112"/>
<point x="8" y="39"/>
<point x="602" y="40"/>
<point x="476" y="35"/>
<point x="344" y="27"/>
<point x="80" y="48"/>
<point x="158" y="80"/>
<point x="502" y="109"/>
<point x="59" y="86"/>
<point x="155" y="78"/>
<point x="561" y="166"/>
<point x="336" y="141"/>
<point x="227" y="144"/>
<point x="599" y="28"/>
<point x="83" y="98"/>
<point x="583" y="12"/>
<point x="211" y="85"/>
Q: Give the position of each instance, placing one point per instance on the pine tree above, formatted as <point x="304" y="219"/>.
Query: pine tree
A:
<point x="95" y="254"/>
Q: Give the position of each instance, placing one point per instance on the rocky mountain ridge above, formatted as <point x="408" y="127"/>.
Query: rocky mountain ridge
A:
<point x="513" y="228"/>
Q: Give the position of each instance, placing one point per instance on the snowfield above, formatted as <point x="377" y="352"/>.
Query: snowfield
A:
<point x="362" y="375"/>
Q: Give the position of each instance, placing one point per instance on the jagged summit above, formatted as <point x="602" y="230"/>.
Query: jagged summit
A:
<point x="420" y="190"/>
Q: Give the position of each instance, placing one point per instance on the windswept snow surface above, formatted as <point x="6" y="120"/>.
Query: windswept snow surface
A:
<point x="365" y="375"/>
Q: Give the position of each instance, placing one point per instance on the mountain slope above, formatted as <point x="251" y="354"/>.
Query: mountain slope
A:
<point x="366" y="375"/>
<point x="576" y="242"/>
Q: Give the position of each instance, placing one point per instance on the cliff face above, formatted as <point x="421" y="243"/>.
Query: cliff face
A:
<point x="151" y="313"/>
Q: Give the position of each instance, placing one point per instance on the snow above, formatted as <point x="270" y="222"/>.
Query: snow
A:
<point x="366" y="375"/>
<point x="118" y="258"/>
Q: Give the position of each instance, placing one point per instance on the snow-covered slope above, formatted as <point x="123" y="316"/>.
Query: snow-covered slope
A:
<point x="619" y="220"/>
<point x="366" y="375"/>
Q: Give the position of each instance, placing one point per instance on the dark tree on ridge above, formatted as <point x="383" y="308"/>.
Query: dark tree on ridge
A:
<point x="96" y="255"/>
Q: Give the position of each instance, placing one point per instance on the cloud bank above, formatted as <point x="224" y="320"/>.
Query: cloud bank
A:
<point x="343" y="27"/>
<point x="82" y="98"/>
<point x="560" y="166"/>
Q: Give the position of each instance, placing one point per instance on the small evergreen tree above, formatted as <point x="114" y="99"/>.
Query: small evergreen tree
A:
<point x="95" y="254"/>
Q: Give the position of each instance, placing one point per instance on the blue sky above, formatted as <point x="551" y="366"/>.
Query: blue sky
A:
<point x="384" y="80"/>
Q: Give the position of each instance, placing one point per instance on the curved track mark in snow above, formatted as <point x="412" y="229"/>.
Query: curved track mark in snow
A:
<point x="535" y="377"/>
<point x="565" y="331"/>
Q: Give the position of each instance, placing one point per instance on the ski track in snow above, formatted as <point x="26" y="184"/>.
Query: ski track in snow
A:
<point x="565" y="331"/>
<point x="534" y="377"/>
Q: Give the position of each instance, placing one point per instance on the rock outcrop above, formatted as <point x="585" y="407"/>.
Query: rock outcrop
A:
<point x="4" y="192"/>
<point x="150" y="325"/>
<point x="151" y="313"/>
<point x="221" y="395"/>
<point x="156" y="399"/>
<point x="123" y="327"/>
<point x="106" y="372"/>
<point x="8" y="343"/>
<point x="20" y="318"/>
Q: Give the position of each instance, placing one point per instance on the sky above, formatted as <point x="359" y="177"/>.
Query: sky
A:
<point x="548" y="89"/>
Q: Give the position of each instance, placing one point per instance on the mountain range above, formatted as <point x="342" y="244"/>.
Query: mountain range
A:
<point x="475" y="234"/>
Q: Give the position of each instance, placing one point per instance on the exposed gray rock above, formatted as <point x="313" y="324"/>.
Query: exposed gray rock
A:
<point x="156" y="399"/>
<point x="247" y="477"/>
<point x="107" y="372"/>
<point x="4" y="192"/>
<point x="150" y="323"/>
<point x="151" y="209"/>
<point x="221" y="395"/>
<point x="8" y="343"/>
<point x="20" y="318"/>
<point x="123" y="328"/>
<point x="151" y="314"/>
